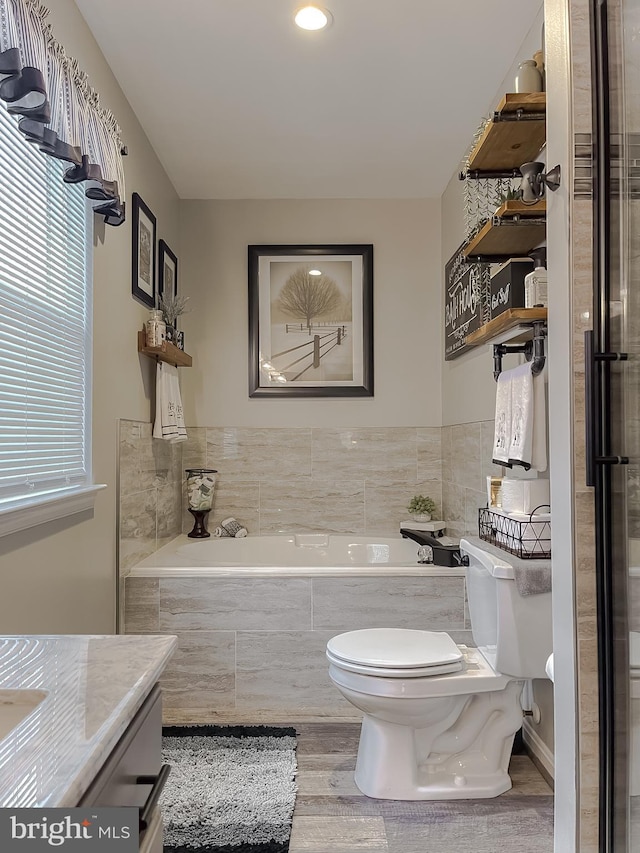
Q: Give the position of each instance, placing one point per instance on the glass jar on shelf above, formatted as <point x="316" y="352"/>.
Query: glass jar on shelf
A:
<point x="155" y="329"/>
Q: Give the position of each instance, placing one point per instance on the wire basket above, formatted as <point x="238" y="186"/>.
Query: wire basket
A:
<point x="529" y="539"/>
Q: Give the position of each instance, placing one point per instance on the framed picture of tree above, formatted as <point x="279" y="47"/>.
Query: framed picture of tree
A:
<point x="311" y="321"/>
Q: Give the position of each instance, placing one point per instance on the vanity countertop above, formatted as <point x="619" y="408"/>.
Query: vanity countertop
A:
<point x="92" y="686"/>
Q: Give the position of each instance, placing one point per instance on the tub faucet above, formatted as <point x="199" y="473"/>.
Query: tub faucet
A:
<point x="443" y="554"/>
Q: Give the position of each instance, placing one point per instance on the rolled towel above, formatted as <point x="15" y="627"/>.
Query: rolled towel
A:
<point x="234" y="528"/>
<point x="220" y="532"/>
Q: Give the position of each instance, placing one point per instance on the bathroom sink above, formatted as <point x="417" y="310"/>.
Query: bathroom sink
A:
<point x="15" y="706"/>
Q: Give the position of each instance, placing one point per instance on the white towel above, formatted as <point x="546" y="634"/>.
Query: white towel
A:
<point x="522" y="415"/>
<point x="539" y="443"/>
<point x="502" y="436"/>
<point x="169" y="422"/>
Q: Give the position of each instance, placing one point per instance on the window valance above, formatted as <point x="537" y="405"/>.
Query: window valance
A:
<point x="60" y="112"/>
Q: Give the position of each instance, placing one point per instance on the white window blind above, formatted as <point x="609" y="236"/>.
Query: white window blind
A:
<point x="45" y="324"/>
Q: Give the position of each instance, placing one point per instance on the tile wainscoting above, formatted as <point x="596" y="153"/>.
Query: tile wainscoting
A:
<point x="253" y="649"/>
<point x="336" y="480"/>
<point x="278" y="480"/>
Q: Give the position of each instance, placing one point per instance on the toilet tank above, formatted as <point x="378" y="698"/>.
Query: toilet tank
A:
<point x="513" y="631"/>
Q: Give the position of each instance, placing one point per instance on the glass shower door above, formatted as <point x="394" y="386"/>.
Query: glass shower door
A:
<point x="614" y="365"/>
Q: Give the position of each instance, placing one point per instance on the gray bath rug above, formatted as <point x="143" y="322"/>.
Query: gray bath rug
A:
<point x="231" y="789"/>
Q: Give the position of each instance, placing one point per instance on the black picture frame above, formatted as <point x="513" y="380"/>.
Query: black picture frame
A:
<point x="143" y="252"/>
<point x="331" y="357"/>
<point x="167" y="272"/>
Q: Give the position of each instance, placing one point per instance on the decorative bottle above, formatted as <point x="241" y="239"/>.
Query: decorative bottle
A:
<point x="155" y="328"/>
<point x="535" y="282"/>
<point x="528" y="78"/>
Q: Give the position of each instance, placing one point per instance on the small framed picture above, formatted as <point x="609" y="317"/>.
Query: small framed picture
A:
<point x="168" y="267"/>
<point x="143" y="255"/>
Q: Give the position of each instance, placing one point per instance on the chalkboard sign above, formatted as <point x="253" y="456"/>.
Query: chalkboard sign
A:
<point x="463" y="305"/>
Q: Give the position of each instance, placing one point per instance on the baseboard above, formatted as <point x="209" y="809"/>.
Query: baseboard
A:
<point x="539" y="752"/>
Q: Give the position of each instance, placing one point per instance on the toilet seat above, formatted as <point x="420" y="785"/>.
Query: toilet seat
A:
<point x="395" y="652"/>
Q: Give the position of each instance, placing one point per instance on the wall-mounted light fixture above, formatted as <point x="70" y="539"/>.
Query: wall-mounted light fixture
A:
<point x="534" y="181"/>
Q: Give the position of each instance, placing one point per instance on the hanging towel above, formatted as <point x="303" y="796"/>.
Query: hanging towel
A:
<point x="169" y="422"/>
<point x="539" y="444"/>
<point x="521" y="415"/>
<point x="502" y="436"/>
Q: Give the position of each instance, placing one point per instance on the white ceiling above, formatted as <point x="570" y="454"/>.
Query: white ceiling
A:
<point x="240" y="103"/>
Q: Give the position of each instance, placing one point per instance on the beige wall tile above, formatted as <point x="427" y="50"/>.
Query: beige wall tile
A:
<point x="137" y="527"/>
<point x="314" y="506"/>
<point x="286" y="671"/>
<point x="455" y="508"/>
<point x="142" y="605"/>
<point x="427" y="603"/>
<point x="384" y="453"/>
<point x="466" y="456"/>
<point x="215" y="604"/>
<point x="386" y="503"/>
<point x="254" y="454"/>
<point x="429" y="449"/>
<point x="169" y="513"/>
<point x="201" y="672"/>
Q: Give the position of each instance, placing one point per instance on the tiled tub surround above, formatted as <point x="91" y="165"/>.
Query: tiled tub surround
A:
<point x="150" y="493"/>
<point x="328" y="480"/>
<point x="253" y="649"/>
<point x="466" y="462"/>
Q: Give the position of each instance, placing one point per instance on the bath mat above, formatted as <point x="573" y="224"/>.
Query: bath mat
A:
<point x="231" y="789"/>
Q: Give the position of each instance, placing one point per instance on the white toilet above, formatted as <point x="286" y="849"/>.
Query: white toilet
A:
<point x="439" y="719"/>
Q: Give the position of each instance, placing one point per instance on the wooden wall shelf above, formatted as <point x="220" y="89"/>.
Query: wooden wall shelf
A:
<point x="504" y="237"/>
<point x="509" y="319"/>
<point x="167" y="352"/>
<point x="508" y="144"/>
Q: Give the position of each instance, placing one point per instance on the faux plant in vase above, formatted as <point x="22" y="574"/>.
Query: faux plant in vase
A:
<point x="172" y="308"/>
<point x="421" y="508"/>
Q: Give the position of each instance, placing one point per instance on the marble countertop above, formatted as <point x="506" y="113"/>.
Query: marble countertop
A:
<point x="94" y="685"/>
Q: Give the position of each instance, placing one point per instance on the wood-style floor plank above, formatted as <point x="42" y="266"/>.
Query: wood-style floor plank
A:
<point x="332" y="816"/>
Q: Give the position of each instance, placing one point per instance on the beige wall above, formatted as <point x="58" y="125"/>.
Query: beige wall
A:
<point x="407" y="333"/>
<point x="59" y="577"/>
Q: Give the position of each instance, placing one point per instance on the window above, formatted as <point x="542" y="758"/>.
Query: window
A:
<point x="45" y="337"/>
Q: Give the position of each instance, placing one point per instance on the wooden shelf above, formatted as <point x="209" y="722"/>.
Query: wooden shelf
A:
<point x="509" y="319"/>
<point x="516" y="207"/>
<point x="509" y="144"/>
<point x="502" y="237"/>
<point x="167" y="352"/>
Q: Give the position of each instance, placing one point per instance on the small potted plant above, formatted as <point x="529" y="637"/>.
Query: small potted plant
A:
<point x="421" y="507"/>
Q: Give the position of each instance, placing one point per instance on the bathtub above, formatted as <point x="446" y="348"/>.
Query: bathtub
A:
<point x="253" y="617"/>
<point x="300" y="555"/>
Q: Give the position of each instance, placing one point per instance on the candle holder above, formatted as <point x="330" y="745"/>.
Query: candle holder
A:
<point x="201" y="484"/>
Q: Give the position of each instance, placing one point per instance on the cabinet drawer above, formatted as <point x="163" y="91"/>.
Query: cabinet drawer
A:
<point x="138" y="753"/>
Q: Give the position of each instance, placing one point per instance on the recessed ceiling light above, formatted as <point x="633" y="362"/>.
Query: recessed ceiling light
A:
<point x="315" y="272"/>
<point x="312" y="18"/>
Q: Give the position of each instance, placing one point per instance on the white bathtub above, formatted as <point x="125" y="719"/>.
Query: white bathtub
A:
<point x="301" y="555"/>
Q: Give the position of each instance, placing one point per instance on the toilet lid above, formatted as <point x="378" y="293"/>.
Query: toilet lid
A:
<point x="394" y="672"/>
<point x="395" y="648"/>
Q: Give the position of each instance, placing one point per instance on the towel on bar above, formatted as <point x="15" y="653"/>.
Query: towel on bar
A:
<point x="502" y="436"/>
<point x="169" y="422"/>
<point x="539" y="444"/>
<point x="522" y="415"/>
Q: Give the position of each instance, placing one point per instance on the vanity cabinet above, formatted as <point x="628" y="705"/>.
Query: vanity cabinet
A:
<point x="133" y="775"/>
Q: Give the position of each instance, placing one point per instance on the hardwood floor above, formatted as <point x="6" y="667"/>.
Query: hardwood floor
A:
<point x="332" y="816"/>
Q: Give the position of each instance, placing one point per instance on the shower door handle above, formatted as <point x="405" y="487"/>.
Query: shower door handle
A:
<point x="591" y="400"/>
<point x="589" y="409"/>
